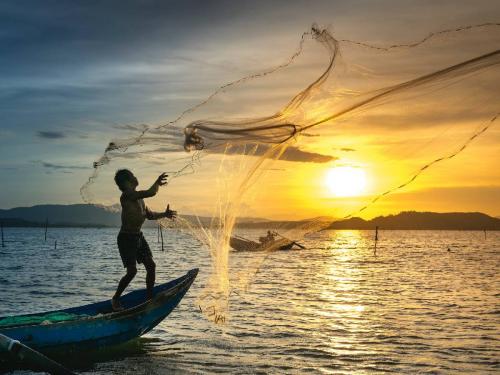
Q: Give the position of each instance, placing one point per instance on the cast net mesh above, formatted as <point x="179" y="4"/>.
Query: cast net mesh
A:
<point x="256" y="146"/>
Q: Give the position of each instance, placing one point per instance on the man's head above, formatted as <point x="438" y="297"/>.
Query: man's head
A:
<point x="125" y="180"/>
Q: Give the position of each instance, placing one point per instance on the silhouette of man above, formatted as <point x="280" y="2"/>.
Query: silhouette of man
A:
<point x="132" y="245"/>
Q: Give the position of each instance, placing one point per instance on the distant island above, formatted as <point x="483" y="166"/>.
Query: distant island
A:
<point x="412" y="220"/>
<point x="82" y="215"/>
<point x="72" y="215"/>
<point x="86" y="215"/>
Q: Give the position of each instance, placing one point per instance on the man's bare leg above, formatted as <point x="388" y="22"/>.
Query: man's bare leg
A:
<point x="150" y="266"/>
<point x="125" y="280"/>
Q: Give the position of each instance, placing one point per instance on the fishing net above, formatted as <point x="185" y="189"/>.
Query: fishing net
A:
<point x="259" y="146"/>
<point x="44" y="319"/>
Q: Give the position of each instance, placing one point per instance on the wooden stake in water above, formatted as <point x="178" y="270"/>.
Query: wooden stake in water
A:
<point x="1" y="226"/>
<point x="46" y="226"/>
<point x="55" y="245"/>
<point x="376" y="239"/>
<point x="158" y="240"/>
<point x="485" y="234"/>
<point x="161" y="235"/>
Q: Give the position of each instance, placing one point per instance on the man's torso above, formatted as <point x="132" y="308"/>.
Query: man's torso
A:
<point x="133" y="215"/>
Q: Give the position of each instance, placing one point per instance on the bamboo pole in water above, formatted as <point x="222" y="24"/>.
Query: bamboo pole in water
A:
<point x="376" y="239"/>
<point x="161" y="235"/>
<point x="1" y="226"/>
<point x="46" y="226"/>
<point x="29" y="357"/>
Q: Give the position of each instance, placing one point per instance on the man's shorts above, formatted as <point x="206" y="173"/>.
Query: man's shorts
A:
<point x="133" y="248"/>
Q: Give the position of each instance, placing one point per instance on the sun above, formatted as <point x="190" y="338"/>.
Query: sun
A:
<point x="346" y="181"/>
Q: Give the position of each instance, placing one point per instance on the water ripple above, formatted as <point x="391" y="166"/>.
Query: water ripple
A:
<point x="333" y="308"/>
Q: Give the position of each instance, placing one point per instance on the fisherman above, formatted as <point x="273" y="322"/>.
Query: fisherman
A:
<point x="269" y="238"/>
<point x="132" y="245"/>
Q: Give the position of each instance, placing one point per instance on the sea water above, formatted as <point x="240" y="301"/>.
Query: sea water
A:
<point x="427" y="302"/>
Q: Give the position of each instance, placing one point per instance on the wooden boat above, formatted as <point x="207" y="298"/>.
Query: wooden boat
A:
<point x="96" y="325"/>
<point x="14" y="352"/>
<point x="242" y="244"/>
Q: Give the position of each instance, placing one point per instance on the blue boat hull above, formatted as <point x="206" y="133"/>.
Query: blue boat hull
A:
<point x="100" y="326"/>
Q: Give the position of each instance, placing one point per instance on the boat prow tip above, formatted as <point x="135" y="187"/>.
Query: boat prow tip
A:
<point x="194" y="272"/>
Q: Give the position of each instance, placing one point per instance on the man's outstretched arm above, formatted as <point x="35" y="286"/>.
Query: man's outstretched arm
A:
<point x="151" y="215"/>
<point x="151" y="192"/>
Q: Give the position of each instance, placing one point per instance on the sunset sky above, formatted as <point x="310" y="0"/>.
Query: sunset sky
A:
<point x="74" y="76"/>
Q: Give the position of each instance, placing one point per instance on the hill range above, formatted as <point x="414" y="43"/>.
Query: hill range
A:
<point x="86" y="215"/>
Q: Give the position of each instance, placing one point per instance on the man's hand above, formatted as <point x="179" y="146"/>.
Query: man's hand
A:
<point x="170" y="214"/>
<point x="162" y="179"/>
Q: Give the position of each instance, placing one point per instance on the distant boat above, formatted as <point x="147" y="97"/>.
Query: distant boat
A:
<point x="242" y="244"/>
<point x="96" y="325"/>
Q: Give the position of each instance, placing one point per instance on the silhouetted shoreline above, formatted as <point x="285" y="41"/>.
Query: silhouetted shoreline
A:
<point x="412" y="220"/>
<point x="89" y="216"/>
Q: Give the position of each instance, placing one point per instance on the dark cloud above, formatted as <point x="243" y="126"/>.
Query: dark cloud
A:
<point x="296" y="154"/>
<point x="68" y="63"/>
<point x="51" y="134"/>
<point x="132" y="128"/>
<point x="8" y="168"/>
<point x="65" y="35"/>
<point x="292" y="153"/>
<point x="60" y="167"/>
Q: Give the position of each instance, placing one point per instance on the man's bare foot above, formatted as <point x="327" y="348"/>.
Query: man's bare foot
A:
<point x="116" y="305"/>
